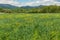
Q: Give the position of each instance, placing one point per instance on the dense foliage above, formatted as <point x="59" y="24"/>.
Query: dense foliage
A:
<point x="29" y="27"/>
<point x="43" y="9"/>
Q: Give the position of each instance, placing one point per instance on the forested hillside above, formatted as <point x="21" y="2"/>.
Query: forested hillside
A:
<point x="43" y="9"/>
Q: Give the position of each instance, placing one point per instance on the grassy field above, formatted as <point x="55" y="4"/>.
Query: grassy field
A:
<point x="29" y="26"/>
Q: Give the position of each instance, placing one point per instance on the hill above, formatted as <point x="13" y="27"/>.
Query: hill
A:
<point x="7" y="6"/>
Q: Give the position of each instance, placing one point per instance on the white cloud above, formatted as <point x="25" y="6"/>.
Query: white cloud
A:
<point x="43" y="2"/>
<point x="33" y="3"/>
<point x="12" y="2"/>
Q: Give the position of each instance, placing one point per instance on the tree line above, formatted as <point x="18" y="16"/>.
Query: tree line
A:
<point x="43" y="9"/>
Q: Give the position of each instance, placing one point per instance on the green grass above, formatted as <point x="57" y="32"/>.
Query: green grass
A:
<point x="29" y="26"/>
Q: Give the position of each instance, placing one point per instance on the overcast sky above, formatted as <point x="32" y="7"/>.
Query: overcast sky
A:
<point x="30" y="2"/>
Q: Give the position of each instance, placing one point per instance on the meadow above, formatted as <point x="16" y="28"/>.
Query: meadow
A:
<point x="30" y="26"/>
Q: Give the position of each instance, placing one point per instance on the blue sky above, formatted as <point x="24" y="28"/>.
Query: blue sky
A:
<point x="30" y="2"/>
<point x="25" y="0"/>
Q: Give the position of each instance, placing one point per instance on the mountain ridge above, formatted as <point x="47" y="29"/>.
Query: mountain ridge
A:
<point x="7" y="6"/>
<point x="12" y="6"/>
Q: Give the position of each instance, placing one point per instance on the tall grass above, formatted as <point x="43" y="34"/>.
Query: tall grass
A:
<point x="29" y="26"/>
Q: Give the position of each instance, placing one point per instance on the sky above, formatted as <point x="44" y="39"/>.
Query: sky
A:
<point x="30" y="2"/>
